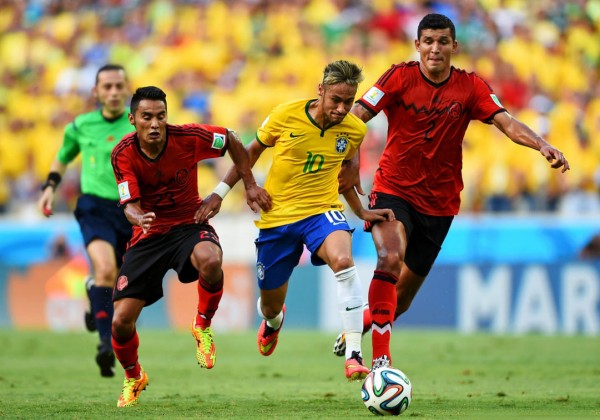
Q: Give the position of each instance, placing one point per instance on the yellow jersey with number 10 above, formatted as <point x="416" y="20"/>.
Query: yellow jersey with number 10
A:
<point x="303" y="179"/>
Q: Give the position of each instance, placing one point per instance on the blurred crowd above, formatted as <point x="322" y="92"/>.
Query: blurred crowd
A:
<point x="228" y="62"/>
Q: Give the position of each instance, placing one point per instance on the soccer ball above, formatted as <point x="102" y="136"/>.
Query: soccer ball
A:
<point x="386" y="391"/>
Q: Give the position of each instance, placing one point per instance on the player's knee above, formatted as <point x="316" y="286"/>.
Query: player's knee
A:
<point x="105" y="275"/>
<point x="390" y="262"/>
<point x="122" y="326"/>
<point x="211" y="268"/>
<point x="341" y="262"/>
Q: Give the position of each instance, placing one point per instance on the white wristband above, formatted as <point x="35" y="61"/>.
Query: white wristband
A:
<point x="222" y="189"/>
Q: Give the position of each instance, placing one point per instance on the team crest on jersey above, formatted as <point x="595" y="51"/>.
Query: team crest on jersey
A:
<point x="218" y="141"/>
<point x="260" y="271"/>
<point x="122" y="283"/>
<point x="124" y="190"/>
<point x="455" y="110"/>
<point x="341" y="143"/>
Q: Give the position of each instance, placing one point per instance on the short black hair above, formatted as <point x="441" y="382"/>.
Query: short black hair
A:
<point x="110" y="67"/>
<point x="436" y="21"/>
<point x="147" y="92"/>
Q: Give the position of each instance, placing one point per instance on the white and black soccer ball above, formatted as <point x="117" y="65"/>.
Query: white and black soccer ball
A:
<point x="387" y="391"/>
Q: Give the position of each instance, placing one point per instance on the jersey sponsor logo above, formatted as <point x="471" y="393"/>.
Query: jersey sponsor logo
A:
<point x="124" y="190"/>
<point x="341" y="144"/>
<point x="373" y="96"/>
<point x="122" y="283"/>
<point x="496" y="100"/>
<point x="218" y="141"/>
<point x="292" y="135"/>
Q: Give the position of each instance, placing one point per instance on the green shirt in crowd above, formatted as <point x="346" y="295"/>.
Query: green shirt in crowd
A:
<point x="94" y="137"/>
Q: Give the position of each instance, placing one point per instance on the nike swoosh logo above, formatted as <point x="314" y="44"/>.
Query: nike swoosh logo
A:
<point x="292" y="135"/>
<point x="353" y="308"/>
<point x="265" y="349"/>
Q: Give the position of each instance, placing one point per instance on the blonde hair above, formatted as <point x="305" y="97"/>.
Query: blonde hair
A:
<point x="342" y="71"/>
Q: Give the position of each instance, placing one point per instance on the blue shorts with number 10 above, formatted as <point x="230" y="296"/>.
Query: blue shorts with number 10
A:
<point x="279" y="249"/>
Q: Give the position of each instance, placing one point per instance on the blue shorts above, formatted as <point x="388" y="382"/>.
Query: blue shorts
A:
<point x="279" y="249"/>
<point x="100" y="218"/>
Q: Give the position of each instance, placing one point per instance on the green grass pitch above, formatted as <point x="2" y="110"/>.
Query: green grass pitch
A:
<point x="53" y="375"/>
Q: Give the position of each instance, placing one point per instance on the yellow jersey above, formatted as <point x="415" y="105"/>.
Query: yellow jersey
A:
<point x="303" y="178"/>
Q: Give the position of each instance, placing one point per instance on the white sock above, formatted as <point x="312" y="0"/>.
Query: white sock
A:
<point x="274" y="323"/>
<point x="350" y="304"/>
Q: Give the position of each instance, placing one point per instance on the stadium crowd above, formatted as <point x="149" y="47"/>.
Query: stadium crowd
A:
<point x="228" y="62"/>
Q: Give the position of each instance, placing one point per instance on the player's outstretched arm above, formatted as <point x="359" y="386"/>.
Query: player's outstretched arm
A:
<point x="377" y="215"/>
<point x="137" y="217"/>
<point x="525" y="136"/>
<point x="211" y="205"/>
<point x="46" y="200"/>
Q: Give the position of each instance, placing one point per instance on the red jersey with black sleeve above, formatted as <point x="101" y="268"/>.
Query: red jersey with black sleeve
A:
<point x="422" y="159"/>
<point x="168" y="184"/>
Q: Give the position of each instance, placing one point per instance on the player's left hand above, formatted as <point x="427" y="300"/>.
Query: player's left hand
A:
<point x="258" y="198"/>
<point x="208" y="209"/>
<point x="555" y="157"/>
<point x="378" y="215"/>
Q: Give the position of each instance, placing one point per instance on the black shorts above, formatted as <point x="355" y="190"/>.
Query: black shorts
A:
<point x="425" y="234"/>
<point x="100" y="218"/>
<point x="147" y="262"/>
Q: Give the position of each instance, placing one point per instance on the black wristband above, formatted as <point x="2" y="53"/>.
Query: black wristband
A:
<point x="53" y="180"/>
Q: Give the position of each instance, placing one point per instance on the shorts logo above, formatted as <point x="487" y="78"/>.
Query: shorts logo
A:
<point x="341" y="143"/>
<point x="122" y="283"/>
<point x="124" y="191"/>
<point x="218" y="141"/>
<point x="260" y="271"/>
<point x="373" y="96"/>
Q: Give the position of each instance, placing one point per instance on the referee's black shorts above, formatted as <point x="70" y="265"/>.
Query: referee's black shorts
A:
<point x="100" y="218"/>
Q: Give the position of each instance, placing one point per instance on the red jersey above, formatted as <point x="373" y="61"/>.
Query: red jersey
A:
<point x="168" y="184"/>
<point x="422" y="159"/>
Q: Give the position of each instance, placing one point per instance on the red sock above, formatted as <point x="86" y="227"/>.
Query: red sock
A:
<point x="127" y="354"/>
<point x="382" y="303"/>
<point x="209" y="296"/>
<point x="367" y="320"/>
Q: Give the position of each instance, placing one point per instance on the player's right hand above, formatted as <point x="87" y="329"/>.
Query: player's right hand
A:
<point x="209" y="208"/>
<point x="45" y="202"/>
